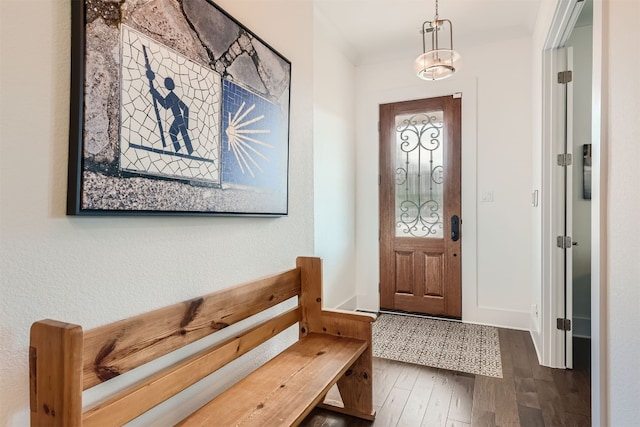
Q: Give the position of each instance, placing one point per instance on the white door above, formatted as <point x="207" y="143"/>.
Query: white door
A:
<point x="565" y="162"/>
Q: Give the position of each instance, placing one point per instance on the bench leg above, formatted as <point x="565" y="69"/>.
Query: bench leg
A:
<point x="356" y="390"/>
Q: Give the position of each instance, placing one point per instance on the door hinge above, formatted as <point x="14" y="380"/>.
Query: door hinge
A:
<point x="563" y="324"/>
<point x="564" y="159"/>
<point x="563" y="242"/>
<point x="565" y="77"/>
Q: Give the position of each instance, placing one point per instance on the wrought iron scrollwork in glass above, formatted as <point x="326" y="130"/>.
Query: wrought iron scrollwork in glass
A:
<point x="419" y="175"/>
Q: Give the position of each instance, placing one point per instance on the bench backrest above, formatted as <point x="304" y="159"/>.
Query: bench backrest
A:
<point x="64" y="360"/>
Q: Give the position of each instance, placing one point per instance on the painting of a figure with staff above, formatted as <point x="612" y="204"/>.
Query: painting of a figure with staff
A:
<point x="176" y="129"/>
<point x="176" y="108"/>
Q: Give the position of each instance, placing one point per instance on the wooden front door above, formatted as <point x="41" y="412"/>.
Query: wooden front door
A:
<point x="420" y="225"/>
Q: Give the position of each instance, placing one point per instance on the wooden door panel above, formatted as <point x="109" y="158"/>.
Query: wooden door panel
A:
<point x="404" y="269"/>
<point x="420" y="190"/>
<point x="434" y="274"/>
<point x="418" y="292"/>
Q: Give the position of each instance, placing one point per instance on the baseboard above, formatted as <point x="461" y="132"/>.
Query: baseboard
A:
<point x="424" y="316"/>
<point x="500" y="318"/>
<point x="536" y="337"/>
<point x="351" y="304"/>
<point x="368" y="302"/>
<point x="488" y="316"/>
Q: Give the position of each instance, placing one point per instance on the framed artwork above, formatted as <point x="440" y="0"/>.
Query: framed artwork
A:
<point x="176" y="109"/>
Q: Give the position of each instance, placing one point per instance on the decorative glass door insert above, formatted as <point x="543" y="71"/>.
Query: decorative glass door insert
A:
<point x="420" y="171"/>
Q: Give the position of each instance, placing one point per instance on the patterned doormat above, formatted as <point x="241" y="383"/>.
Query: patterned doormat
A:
<point x="444" y="344"/>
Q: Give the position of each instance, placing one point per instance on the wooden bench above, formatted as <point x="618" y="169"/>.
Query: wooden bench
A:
<point x="334" y="347"/>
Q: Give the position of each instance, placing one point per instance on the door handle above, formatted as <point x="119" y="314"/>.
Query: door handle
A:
<point x="455" y="228"/>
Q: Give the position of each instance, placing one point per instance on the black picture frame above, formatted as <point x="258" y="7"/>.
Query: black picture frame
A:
<point x="176" y="109"/>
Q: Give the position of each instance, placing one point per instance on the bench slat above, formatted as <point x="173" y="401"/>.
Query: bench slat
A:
<point x="167" y="383"/>
<point x="121" y="346"/>
<point x="299" y="376"/>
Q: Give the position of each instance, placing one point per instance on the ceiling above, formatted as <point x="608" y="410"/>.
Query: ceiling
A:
<point x="381" y="28"/>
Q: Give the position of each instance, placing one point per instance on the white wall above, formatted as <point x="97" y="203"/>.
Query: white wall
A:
<point x="581" y="42"/>
<point x="95" y="270"/>
<point x="543" y="23"/>
<point x="496" y="150"/>
<point x="621" y="71"/>
<point x="334" y="164"/>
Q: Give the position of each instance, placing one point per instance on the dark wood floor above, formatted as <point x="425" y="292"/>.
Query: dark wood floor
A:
<point x="528" y="395"/>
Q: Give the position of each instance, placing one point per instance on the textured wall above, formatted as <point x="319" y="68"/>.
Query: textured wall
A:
<point x="96" y="270"/>
<point x="334" y="166"/>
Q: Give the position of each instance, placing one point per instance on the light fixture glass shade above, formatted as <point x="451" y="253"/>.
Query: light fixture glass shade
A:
<point x="437" y="64"/>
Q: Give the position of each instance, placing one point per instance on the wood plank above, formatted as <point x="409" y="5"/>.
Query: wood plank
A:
<point x="506" y="403"/>
<point x="310" y="294"/>
<point x="55" y="374"/>
<point x="570" y="387"/>
<point x="505" y="353"/>
<point x="484" y="394"/>
<point x="530" y="417"/>
<point x="338" y="407"/>
<point x="481" y="418"/>
<point x="300" y="376"/>
<point x="519" y="354"/>
<point x="385" y="374"/>
<point x="356" y="316"/>
<point x="418" y="400"/>
<point x="138" y="399"/>
<point x="461" y="399"/>
<point x="392" y="409"/>
<point x="538" y="371"/>
<point x="575" y="420"/>
<point x="526" y="392"/>
<point x="552" y="410"/>
<point x="356" y="386"/>
<point x="408" y="376"/>
<point x="438" y="407"/>
<point x="116" y="348"/>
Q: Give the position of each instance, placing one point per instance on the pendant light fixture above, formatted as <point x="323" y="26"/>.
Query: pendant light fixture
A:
<point x="441" y="61"/>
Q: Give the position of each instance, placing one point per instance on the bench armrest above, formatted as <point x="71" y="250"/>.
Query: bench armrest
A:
<point x="350" y="315"/>
<point x="341" y="323"/>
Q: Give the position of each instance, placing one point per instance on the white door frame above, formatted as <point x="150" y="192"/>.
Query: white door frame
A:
<point x="552" y="343"/>
<point x="599" y="389"/>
